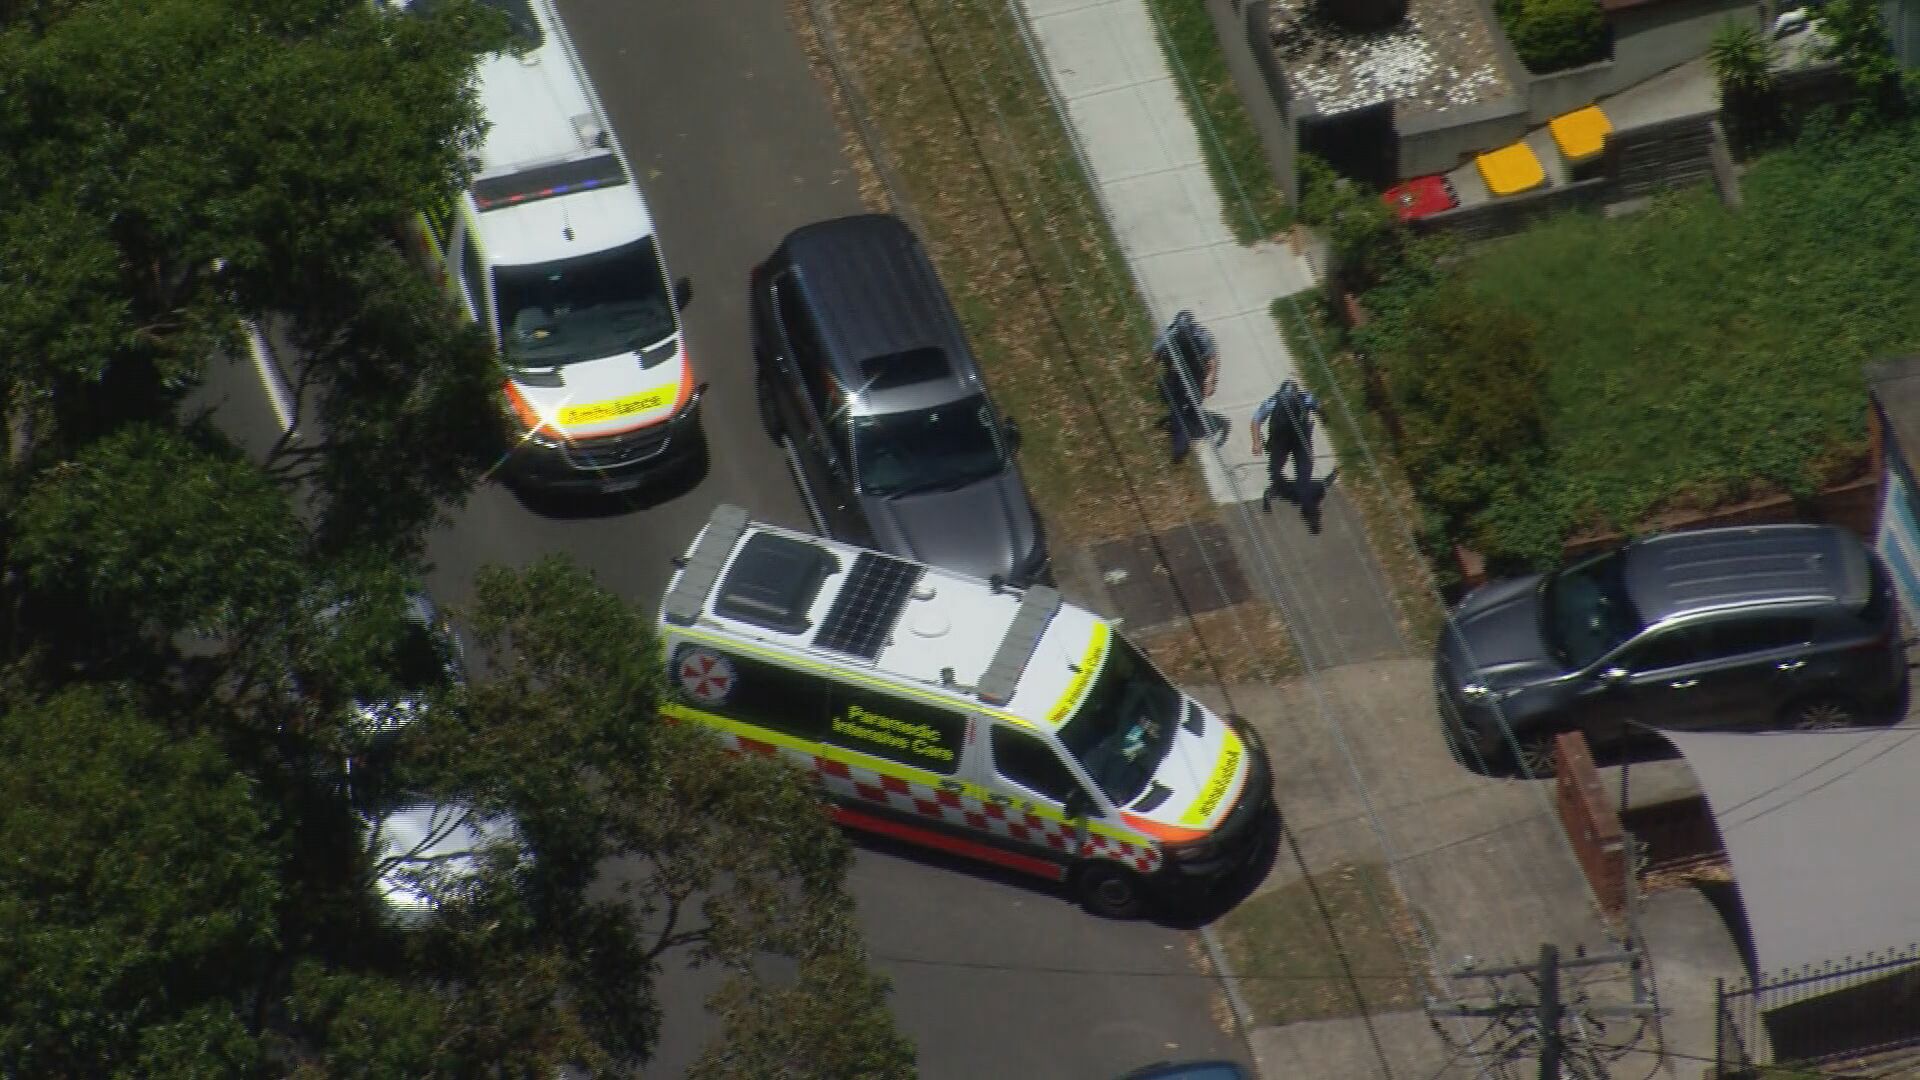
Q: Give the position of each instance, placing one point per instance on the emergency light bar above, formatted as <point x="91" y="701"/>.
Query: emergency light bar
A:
<point x="546" y="181"/>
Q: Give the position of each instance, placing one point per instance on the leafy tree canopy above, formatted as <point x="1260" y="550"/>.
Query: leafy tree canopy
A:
<point x="730" y="859"/>
<point x="139" y="891"/>
<point x="148" y="528"/>
<point x="175" y="165"/>
<point x="193" y="644"/>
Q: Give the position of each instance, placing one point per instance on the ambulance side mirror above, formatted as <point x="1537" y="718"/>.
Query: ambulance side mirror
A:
<point x="1012" y="431"/>
<point x="682" y="293"/>
<point x="1079" y="804"/>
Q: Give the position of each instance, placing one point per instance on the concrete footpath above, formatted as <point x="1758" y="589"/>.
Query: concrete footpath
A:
<point x="1361" y="772"/>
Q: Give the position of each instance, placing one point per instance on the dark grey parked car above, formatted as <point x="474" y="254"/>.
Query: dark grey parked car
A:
<point x="867" y="380"/>
<point x="1766" y="626"/>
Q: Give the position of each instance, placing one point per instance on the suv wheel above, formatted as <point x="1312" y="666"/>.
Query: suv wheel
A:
<point x="1110" y="890"/>
<point x="1535" y="754"/>
<point x="1822" y="714"/>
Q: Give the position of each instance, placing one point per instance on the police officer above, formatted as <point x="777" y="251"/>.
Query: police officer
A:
<point x="1283" y="428"/>
<point x="1189" y="368"/>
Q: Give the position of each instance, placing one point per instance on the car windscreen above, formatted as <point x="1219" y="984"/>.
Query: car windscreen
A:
<point x="584" y="308"/>
<point x="1586" y="610"/>
<point x="1124" y="728"/>
<point x="924" y="450"/>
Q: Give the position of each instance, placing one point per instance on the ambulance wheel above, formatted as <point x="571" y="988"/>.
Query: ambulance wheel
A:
<point x="1110" y="890"/>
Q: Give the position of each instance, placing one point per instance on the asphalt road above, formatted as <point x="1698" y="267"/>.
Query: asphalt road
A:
<point x="735" y="145"/>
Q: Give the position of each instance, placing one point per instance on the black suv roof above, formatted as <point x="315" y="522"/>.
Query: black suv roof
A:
<point x="1678" y="573"/>
<point x="874" y="295"/>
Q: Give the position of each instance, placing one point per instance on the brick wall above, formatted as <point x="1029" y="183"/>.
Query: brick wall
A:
<point x="1591" y="823"/>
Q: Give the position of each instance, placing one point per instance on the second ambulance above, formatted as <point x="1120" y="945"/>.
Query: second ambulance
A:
<point x="995" y="723"/>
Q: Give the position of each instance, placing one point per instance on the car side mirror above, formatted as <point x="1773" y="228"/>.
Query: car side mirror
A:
<point x="682" y="292"/>
<point x="1012" y="432"/>
<point x="1079" y="804"/>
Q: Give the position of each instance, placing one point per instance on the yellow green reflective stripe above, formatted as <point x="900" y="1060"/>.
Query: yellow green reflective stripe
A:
<point x="1217" y="785"/>
<point x="740" y="728"/>
<point x="1076" y="691"/>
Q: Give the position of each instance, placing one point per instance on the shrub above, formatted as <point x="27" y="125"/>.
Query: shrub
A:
<point x="1471" y="391"/>
<point x="1364" y="238"/>
<point x="1860" y="45"/>
<point x="1742" y="61"/>
<point x="1551" y="35"/>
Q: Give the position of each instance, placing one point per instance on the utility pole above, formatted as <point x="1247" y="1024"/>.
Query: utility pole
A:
<point x="1530" y="1020"/>
<point x="1550" y="1044"/>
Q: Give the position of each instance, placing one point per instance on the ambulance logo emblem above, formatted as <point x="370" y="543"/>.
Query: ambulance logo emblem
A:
<point x="706" y="677"/>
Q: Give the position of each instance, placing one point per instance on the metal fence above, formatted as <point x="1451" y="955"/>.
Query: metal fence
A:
<point x="1852" y="1007"/>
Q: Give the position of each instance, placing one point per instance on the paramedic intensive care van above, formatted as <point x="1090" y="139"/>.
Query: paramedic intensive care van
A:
<point x="553" y="252"/>
<point x="990" y="722"/>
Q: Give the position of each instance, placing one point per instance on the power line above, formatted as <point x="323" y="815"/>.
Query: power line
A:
<point x="1551" y="1020"/>
<point x="1075" y="362"/>
<point x="1047" y="969"/>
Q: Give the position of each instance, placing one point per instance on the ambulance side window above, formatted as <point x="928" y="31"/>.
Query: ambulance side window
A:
<point x="1032" y="764"/>
<point x="752" y="691"/>
<point x="473" y="273"/>
<point x="916" y="733"/>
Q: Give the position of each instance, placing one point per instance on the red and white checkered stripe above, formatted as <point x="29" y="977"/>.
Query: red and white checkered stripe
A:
<point x="852" y="783"/>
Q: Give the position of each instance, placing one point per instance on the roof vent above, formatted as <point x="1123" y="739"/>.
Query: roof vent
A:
<point x="588" y="130"/>
<point x="928" y="623"/>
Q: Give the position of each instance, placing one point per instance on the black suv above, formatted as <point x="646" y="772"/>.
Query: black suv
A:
<point x="1778" y="625"/>
<point x="867" y="380"/>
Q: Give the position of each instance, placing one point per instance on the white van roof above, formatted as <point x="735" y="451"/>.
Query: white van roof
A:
<point x="1024" y="653"/>
<point x="415" y="847"/>
<point x="549" y="161"/>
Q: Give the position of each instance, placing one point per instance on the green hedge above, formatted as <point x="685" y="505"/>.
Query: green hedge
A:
<point x="1553" y="35"/>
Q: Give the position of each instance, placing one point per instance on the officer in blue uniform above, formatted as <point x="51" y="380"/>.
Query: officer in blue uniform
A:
<point x="1282" y="429"/>
<point x="1189" y="368"/>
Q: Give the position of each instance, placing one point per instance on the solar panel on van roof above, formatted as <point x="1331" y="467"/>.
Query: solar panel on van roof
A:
<point x="869" y="604"/>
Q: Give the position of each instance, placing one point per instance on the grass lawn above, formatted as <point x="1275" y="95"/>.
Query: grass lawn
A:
<point x="1697" y="355"/>
<point x="1304" y="956"/>
<point x="1255" y="208"/>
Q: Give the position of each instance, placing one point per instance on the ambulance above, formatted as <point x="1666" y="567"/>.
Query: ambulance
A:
<point x="553" y="251"/>
<point x="994" y="723"/>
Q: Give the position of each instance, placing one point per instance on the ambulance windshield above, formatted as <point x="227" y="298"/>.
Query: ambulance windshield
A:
<point x="586" y="307"/>
<point x="1125" y="725"/>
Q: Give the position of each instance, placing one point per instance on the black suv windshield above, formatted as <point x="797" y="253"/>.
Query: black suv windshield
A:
<point x="1125" y="726"/>
<point x="936" y="449"/>
<point x="585" y="308"/>
<point x="1587" y="611"/>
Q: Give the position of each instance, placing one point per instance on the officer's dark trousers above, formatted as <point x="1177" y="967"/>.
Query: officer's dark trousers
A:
<point x="1277" y="454"/>
<point x="1186" y="420"/>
